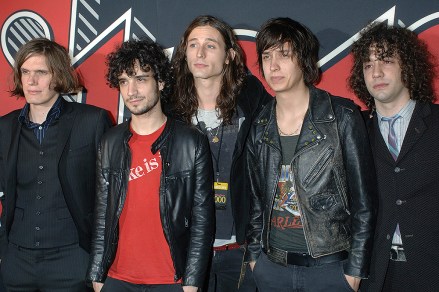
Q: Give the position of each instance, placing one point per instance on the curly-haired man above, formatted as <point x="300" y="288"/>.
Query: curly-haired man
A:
<point x="393" y="75"/>
<point x="154" y="221"/>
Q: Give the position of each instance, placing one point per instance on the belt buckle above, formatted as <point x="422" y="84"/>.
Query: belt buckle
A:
<point x="278" y="256"/>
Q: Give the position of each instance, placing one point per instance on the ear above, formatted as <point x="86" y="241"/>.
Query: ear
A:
<point x="161" y="85"/>
<point x="230" y="55"/>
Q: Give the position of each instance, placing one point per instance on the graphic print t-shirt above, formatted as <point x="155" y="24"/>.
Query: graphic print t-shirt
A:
<point x="143" y="255"/>
<point x="286" y="226"/>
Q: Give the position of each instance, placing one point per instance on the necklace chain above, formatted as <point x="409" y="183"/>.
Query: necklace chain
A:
<point x="215" y="138"/>
<point x="289" y="134"/>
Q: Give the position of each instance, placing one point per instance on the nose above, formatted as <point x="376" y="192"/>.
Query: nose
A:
<point x="274" y="66"/>
<point x="377" y="70"/>
<point x="200" y="52"/>
<point x="132" y="88"/>
<point x="32" y="79"/>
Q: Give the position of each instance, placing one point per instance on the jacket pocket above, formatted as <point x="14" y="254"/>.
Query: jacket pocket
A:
<point x="319" y="165"/>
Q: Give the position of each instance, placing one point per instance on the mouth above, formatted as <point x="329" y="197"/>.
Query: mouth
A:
<point x="380" y="86"/>
<point x="33" y="92"/>
<point x="276" y="79"/>
<point x="200" y="65"/>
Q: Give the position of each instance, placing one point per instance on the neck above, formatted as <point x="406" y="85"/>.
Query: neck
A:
<point x="147" y="123"/>
<point x="207" y="92"/>
<point x="293" y="104"/>
<point x="290" y="112"/>
<point x="38" y="113"/>
<point x="391" y="109"/>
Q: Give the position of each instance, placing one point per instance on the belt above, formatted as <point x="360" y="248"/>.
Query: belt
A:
<point x="285" y="258"/>
<point x="226" y="247"/>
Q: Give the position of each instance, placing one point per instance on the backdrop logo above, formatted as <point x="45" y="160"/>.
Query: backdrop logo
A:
<point x="19" y="28"/>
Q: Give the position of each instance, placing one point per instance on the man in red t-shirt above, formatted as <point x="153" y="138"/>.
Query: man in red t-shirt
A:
<point x="154" y="216"/>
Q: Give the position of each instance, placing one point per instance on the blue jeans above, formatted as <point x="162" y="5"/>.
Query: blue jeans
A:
<point x="274" y="277"/>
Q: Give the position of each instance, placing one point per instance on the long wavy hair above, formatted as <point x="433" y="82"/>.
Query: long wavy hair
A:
<point x="418" y="67"/>
<point x="150" y="56"/>
<point x="185" y="99"/>
<point x="304" y="45"/>
<point x="64" y="77"/>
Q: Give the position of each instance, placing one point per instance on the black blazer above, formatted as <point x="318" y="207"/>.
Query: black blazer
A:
<point x="81" y="127"/>
<point x="409" y="194"/>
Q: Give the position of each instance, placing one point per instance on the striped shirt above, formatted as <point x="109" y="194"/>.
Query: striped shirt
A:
<point x="400" y="125"/>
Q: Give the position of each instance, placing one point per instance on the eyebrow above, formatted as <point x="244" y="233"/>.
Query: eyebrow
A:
<point x="208" y="39"/>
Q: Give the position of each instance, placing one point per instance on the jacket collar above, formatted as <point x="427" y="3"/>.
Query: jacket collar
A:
<point x="320" y="111"/>
<point x="158" y="144"/>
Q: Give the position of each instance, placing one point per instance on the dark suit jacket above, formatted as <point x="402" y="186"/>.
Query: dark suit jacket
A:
<point x="409" y="194"/>
<point x="81" y="127"/>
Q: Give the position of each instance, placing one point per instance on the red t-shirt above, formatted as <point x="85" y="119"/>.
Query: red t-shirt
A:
<point x="143" y="255"/>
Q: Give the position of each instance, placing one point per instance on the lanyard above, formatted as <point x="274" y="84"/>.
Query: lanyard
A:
<point x="217" y="157"/>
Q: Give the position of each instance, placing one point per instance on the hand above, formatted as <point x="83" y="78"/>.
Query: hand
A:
<point x="97" y="286"/>
<point x="252" y="265"/>
<point x="353" y="282"/>
<point x="190" y="289"/>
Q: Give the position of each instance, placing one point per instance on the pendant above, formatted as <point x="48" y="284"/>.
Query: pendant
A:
<point x="215" y="139"/>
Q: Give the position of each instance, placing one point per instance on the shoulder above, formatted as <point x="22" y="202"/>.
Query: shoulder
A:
<point x="116" y="132"/>
<point x="185" y="130"/>
<point x="10" y="116"/>
<point x="85" y="109"/>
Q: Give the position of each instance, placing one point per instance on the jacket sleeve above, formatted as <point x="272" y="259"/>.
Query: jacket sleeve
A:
<point x="203" y="218"/>
<point x="95" y="271"/>
<point x="254" y="230"/>
<point x="361" y="184"/>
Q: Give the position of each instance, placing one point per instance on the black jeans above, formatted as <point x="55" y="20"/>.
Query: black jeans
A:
<point x="115" y="285"/>
<point x="271" y="277"/>
<point x="225" y="271"/>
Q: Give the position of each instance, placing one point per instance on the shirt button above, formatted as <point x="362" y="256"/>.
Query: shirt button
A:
<point x="38" y="213"/>
<point x="37" y="243"/>
<point x="40" y="182"/>
<point x="37" y="228"/>
<point x="388" y="236"/>
<point x="397" y="169"/>
<point x="398" y="202"/>
<point x="40" y="128"/>
<point x="40" y="167"/>
<point x="38" y="197"/>
<point x="41" y="153"/>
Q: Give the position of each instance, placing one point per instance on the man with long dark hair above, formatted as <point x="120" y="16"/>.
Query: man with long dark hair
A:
<point x="393" y="74"/>
<point x="311" y="174"/>
<point x="214" y="92"/>
<point x="48" y="153"/>
<point x="154" y="218"/>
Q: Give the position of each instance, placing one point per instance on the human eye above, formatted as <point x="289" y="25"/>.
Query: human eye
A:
<point x="286" y="54"/>
<point x="141" y="79"/>
<point x="24" y="72"/>
<point x="210" y="46"/>
<point x="122" y="82"/>
<point x="42" y="72"/>
<point x="192" y="45"/>
<point x="367" y="66"/>
<point x="265" y="57"/>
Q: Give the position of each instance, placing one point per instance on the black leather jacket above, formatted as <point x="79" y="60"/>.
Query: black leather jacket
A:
<point x="334" y="176"/>
<point x="186" y="199"/>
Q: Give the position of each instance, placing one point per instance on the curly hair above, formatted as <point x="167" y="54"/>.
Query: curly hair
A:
<point x="305" y="47"/>
<point x="150" y="57"/>
<point x="64" y="76"/>
<point x="416" y="62"/>
<point x="185" y="102"/>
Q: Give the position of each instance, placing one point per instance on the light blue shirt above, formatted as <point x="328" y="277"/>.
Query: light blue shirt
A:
<point x="400" y="125"/>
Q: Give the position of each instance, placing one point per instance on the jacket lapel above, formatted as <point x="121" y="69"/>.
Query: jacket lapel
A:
<point x="66" y="121"/>
<point x="416" y="128"/>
